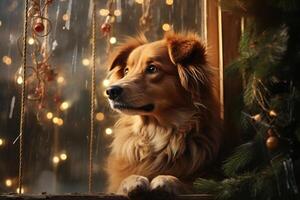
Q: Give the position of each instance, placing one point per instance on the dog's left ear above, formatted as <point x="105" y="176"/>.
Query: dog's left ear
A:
<point x="188" y="53"/>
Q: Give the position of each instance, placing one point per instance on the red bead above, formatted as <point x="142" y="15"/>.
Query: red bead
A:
<point x="105" y="28"/>
<point x="39" y="27"/>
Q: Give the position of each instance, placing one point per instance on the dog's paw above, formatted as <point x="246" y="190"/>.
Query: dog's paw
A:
<point x="165" y="187"/>
<point x="134" y="186"/>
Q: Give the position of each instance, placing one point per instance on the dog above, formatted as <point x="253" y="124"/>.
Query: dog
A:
<point x="168" y="133"/>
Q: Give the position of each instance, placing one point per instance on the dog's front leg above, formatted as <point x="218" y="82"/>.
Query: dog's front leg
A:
<point x="134" y="186"/>
<point x="166" y="186"/>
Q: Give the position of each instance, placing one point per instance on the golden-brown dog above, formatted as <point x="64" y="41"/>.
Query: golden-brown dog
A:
<point x="168" y="132"/>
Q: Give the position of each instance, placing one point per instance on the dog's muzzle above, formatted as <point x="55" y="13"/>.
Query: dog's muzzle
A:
<point x="114" y="92"/>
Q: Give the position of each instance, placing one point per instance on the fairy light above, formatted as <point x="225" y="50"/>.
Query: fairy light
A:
<point x="117" y="12"/>
<point x="1" y="142"/>
<point x="139" y="1"/>
<point x="19" y="80"/>
<point x="113" y="40"/>
<point x="65" y="17"/>
<point x="108" y="131"/>
<point x="169" y="2"/>
<point x="22" y="190"/>
<point x="49" y="115"/>
<point x="7" y="60"/>
<point x="55" y="120"/>
<point x="166" y="27"/>
<point x="100" y="116"/>
<point x="55" y="159"/>
<point x="103" y="12"/>
<point x="30" y="41"/>
<point x="60" y="122"/>
<point x="86" y="62"/>
<point x="105" y="82"/>
<point x="8" y="182"/>
<point x="64" y="106"/>
<point x="60" y="79"/>
<point x="63" y="156"/>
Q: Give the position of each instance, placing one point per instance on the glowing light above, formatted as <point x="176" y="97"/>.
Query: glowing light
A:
<point x="55" y="120"/>
<point x="19" y="80"/>
<point x="65" y="17"/>
<point x="0" y="23"/>
<point x="166" y="27"/>
<point x="86" y="62"/>
<point x="117" y="12"/>
<point x="49" y="115"/>
<point x="60" y="122"/>
<point x="103" y="12"/>
<point x="272" y="113"/>
<point x="1" y="142"/>
<point x="18" y="190"/>
<point x="113" y="40"/>
<point x="64" y="106"/>
<point x="55" y="159"/>
<point x="8" y="182"/>
<point x="100" y="116"/>
<point x="139" y="1"/>
<point x="169" y="2"/>
<point x="63" y="156"/>
<point x="30" y="41"/>
<point x="7" y="60"/>
<point x="60" y="79"/>
<point x="105" y="82"/>
<point x="108" y="131"/>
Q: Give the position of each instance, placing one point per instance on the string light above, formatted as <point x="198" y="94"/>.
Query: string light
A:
<point x="272" y="113"/>
<point x="49" y="115"/>
<point x="103" y="12"/>
<point x="105" y="82"/>
<point x="22" y="190"/>
<point x="86" y="62"/>
<point x="63" y="156"/>
<point x="55" y="159"/>
<point x="60" y="79"/>
<point x="8" y="182"/>
<point x="64" y="106"/>
<point x="113" y="40"/>
<point x="166" y="27"/>
<point x="117" y="12"/>
<point x="108" y="131"/>
<point x="7" y="60"/>
<point x="139" y="1"/>
<point x="169" y="2"/>
<point x="30" y="41"/>
<point x="20" y="80"/>
<point x="1" y="142"/>
<point x="65" y="17"/>
<point x="100" y="116"/>
<point x="60" y="122"/>
<point x="55" y="120"/>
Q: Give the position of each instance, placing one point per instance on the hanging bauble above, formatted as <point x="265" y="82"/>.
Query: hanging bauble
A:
<point x="272" y="143"/>
<point x="39" y="27"/>
<point x="105" y="28"/>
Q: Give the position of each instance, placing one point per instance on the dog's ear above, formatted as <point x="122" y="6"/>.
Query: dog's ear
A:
<point x="118" y="57"/>
<point x="188" y="53"/>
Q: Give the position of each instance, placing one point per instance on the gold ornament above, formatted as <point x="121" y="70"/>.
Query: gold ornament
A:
<point x="272" y="143"/>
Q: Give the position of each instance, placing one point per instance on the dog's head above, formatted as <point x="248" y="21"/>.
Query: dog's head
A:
<point x="157" y="77"/>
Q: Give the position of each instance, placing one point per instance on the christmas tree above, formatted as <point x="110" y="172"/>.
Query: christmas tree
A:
<point x="265" y="165"/>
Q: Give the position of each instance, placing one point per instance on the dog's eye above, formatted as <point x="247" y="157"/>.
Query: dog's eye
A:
<point x="151" y="69"/>
<point x="126" y="71"/>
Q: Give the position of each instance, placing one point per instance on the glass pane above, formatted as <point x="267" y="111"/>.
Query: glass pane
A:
<point x="57" y="127"/>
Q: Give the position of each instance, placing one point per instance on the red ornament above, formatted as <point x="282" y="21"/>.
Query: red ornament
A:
<point x="105" y="28"/>
<point x="57" y="99"/>
<point x="39" y="27"/>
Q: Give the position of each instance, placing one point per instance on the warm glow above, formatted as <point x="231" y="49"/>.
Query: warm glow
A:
<point x="100" y="116"/>
<point x="166" y="27"/>
<point x="64" y="106"/>
<point x="60" y="79"/>
<point x="8" y="182"/>
<point x="0" y="23"/>
<point x="49" y="115"/>
<point x="139" y="1"/>
<point x="60" y="122"/>
<point x="105" y="82"/>
<point x="30" y="41"/>
<point x="55" y="159"/>
<point x="108" y="131"/>
<point x="63" y="156"/>
<point x="117" y="12"/>
<point x="103" y="12"/>
<point x="7" y="60"/>
<point x="55" y="120"/>
<point x="18" y="190"/>
<point x="113" y="40"/>
<point x="19" y="80"/>
<point x="1" y="142"/>
<point x="169" y="2"/>
<point x="65" y="17"/>
<point x="86" y="62"/>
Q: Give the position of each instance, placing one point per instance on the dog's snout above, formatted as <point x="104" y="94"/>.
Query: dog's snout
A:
<point x="114" y="92"/>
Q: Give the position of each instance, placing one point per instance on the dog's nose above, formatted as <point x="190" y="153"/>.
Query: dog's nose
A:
<point x="114" y="92"/>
